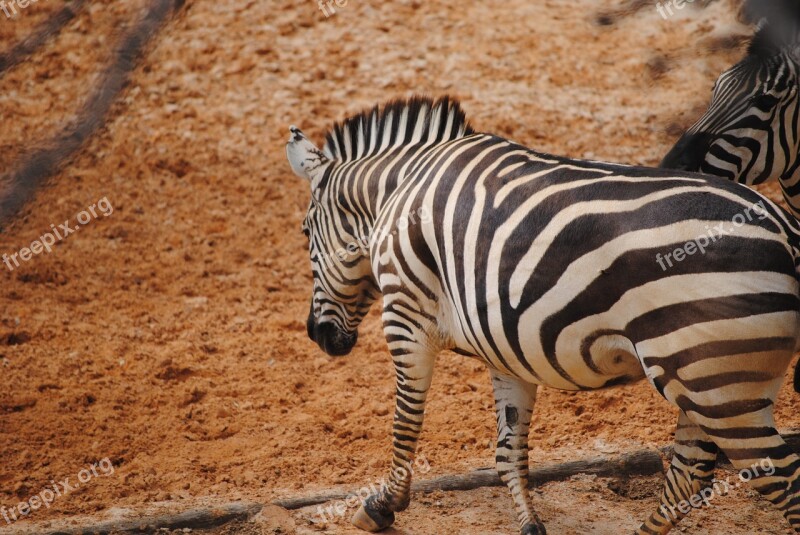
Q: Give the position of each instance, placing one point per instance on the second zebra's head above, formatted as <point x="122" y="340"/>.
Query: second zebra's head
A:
<point x="749" y="133"/>
<point x="344" y="288"/>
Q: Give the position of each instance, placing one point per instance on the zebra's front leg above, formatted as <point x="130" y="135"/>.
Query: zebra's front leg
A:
<point x="413" y="365"/>
<point x="514" y="404"/>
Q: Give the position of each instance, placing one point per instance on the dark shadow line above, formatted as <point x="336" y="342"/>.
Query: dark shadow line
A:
<point x="41" y="35"/>
<point x="39" y="165"/>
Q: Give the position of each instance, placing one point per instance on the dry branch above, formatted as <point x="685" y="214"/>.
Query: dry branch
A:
<point x="637" y="463"/>
<point x="194" y="519"/>
<point x="642" y="462"/>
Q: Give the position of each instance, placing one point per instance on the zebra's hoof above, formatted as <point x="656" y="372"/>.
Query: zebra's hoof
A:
<point x="370" y="519"/>
<point x="533" y="529"/>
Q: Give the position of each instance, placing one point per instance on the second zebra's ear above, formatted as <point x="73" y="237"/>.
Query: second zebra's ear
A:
<point x="794" y="52"/>
<point x="305" y="158"/>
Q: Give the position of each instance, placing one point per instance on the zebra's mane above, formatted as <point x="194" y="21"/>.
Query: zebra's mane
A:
<point x="778" y="23"/>
<point x="399" y="122"/>
<point x="763" y="45"/>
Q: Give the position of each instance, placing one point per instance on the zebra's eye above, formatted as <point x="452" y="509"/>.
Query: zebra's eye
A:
<point x="764" y="101"/>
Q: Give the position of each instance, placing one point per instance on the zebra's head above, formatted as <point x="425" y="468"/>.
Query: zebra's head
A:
<point x="750" y="131"/>
<point x="344" y="288"/>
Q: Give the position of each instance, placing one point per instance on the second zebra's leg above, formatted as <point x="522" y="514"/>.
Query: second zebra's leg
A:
<point x="514" y="404"/>
<point x="765" y="460"/>
<point x="414" y="369"/>
<point x="689" y="479"/>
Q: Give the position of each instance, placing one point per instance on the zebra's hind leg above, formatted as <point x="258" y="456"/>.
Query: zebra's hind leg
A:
<point x="514" y="404"/>
<point x="762" y="457"/>
<point x="689" y="479"/>
<point x="414" y="371"/>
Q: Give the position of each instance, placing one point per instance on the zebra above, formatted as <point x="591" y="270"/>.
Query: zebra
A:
<point x="549" y="270"/>
<point x="749" y="133"/>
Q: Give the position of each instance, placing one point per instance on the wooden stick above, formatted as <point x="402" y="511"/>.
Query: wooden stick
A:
<point x="637" y="463"/>
<point x="193" y="519"/>
<point x="641" y="462"/>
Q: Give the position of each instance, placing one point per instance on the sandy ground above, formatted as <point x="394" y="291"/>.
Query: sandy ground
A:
<point x="168" y="336"/>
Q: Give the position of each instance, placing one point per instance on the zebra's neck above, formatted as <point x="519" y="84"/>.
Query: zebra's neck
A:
<point x="370" y="183"/>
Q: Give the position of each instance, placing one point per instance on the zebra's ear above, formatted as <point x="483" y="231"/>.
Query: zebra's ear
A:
<point x="305" y="158"/>
<point x="794" y="52"/>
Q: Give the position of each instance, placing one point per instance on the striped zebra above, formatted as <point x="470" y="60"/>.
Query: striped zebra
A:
<point x="749" y="133"/>
<point x="564" y="273"/>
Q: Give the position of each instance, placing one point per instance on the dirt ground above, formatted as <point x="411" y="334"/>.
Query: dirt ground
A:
<point x="169" y="338"/>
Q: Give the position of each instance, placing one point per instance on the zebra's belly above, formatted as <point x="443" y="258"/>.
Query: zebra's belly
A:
<point x="586" y="359"/>
<point x="618" y="345"/>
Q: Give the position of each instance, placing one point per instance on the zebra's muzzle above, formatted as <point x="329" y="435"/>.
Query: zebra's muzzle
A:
<point x="330" y="338"/>
<point x="689" y="153"/>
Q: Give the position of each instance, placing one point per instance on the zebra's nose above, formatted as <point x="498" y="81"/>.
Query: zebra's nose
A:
<point x="333" y="340"/>
<point x="330" y="338"/>
<point x="689" y="153"/>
